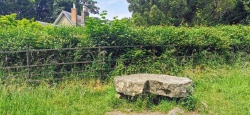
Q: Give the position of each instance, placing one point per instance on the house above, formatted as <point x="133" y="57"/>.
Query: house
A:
<point x="71" y="18"/>
<point x="43" y="23"/>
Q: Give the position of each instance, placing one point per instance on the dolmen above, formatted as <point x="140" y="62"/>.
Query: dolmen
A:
<point x="162" y="85"/>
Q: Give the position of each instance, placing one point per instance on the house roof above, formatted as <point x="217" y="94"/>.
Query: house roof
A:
<point x="68" y="16"/>
<point x="44" y="23"/>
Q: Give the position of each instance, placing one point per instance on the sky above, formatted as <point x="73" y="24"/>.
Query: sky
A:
<point x="114" y="8"/>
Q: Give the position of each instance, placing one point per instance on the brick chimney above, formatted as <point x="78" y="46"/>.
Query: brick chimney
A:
<point x="74" y="14"/>
<point x="84" y="14"/>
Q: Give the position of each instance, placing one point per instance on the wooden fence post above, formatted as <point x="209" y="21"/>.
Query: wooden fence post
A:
<point x="28" y="62"/>
<point x="100" y="61"/>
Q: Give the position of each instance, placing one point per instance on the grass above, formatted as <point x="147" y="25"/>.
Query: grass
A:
<point x="70" y="97"/>
<point x="224" y="91"/>
<point x="221" y="90"/>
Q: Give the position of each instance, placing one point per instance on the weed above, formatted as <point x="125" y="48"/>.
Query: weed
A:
<point x="189" y="102"/>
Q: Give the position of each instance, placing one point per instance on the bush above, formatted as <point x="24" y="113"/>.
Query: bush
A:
<point x="158" y="50"/>
<point x="23" y="34"/>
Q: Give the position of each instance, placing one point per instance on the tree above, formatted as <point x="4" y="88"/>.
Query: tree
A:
<point x="174" y="12"/>
<point x="210" y="12"/>
<point x="156" y="17"/>
<point x="23" y="8"/>
<point x="237" y="15"/>
<point x="189" y="12"/>
<point x="43" y="10"/>
<point x="59" y="5"/>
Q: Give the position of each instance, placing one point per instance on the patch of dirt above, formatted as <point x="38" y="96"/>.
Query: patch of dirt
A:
<point x="133" y="113"/>
<point x="149" y="113"/>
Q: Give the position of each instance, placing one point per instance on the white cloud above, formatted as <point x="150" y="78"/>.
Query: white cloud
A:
<point x="112" y="1"/>
<point x="108" y="2"/>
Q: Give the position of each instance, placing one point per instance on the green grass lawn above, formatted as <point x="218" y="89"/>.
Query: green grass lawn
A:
<point x="224" y="90"/>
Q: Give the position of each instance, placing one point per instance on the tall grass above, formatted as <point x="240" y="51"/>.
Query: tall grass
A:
<point x="220" y="90"/>
<point x="70" y="97"/>
<point x="223" y="91"/>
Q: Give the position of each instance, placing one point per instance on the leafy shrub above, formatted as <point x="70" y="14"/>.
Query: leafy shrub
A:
<point x="158" y="50"/>
<point x="109" y="33"/>
<point x="23" y="34"/>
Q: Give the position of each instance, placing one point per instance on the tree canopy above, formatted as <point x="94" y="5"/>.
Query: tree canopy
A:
<point x="43" y="10"/>
<point x="190" y="12"/>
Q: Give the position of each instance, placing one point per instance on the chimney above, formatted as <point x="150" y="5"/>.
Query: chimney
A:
<point x="84" y="14"/>
<point x="74" y="14"/>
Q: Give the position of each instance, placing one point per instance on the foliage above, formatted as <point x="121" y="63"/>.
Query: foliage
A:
<point x="8" y="20"/>
<point x="189" y="102"/>
<point x="239" y="14"/>
<point x="189" y="12"/>
<point x="158" y="47"/>
<point x="43" y="10"/>
<point x="103" y="32"/>
<point x="23" y="8"/>
<point x="21" y="34"/>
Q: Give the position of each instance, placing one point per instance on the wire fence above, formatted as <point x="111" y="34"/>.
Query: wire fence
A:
<point x="35" y="63"/>
<point x="85" y="61"/>
<point x="32" y="63"/>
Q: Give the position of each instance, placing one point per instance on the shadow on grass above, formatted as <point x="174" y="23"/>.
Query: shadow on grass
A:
<point x="149" y="101"/>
